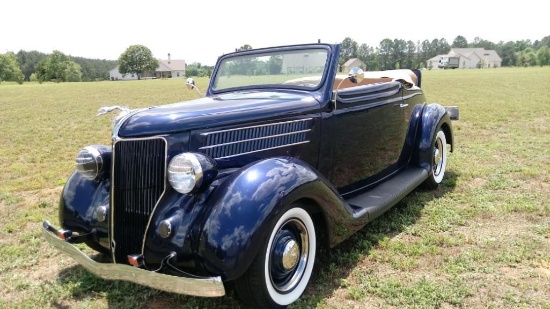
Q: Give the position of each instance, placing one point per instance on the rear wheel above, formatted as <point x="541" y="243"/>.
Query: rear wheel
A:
<point x="282" y="269"/>
<point x="439" y="160"/>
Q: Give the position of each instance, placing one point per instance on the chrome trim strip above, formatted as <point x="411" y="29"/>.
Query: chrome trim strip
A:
<point x="254" y="151"/>
<point x="255" y="139"/>
<point x="203" y="286"/>
<point x="258" y="126"/>
<point x="111" y="228"/>
<point x="123" y="119"/>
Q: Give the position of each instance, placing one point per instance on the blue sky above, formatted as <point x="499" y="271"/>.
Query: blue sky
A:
<point x="202" y="31"/>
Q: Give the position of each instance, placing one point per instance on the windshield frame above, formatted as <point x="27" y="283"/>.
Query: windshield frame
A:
<point x="292" y="80"/>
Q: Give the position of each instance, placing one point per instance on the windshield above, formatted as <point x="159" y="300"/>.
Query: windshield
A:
<point x="303" y="68"/>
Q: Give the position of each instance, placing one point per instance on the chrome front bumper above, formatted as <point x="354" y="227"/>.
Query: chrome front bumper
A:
<point x="206" y="287"/>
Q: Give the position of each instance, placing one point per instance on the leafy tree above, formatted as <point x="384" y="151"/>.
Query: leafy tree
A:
<point x="348" y="50"/>
<point x="244" y="47"/>
<point x="9" y="68"/>
<point x="398" y="53"/>
<point x="527" y="57"/>
<point x="275" y="64"/>
<point x="438" y="47"/>
<point x="460" y="42"/>
<point x="411" y="51"/>
<point x="385" y="50"/>
<point x="197" y="69"/>
<point x="543" y="55"/>
<point x="507" y="53"/>
<point x="29" y="61"/>
<point x="425" y="50"/>
<point x="363" y="52"/>
<point x="137" y="59"/>
<point x="95" y="69"/>
<point x="58" y="67"/>
<point x="481" y="43"/>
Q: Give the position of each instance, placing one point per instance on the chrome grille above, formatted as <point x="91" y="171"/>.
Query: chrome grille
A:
<point x="138" y="183"/>
<point x="234" y="142"/>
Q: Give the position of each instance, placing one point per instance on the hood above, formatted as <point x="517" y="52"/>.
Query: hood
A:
<point x="217" y="111"/>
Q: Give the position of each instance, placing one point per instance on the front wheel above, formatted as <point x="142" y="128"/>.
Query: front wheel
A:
<point x="439" y="160"/>
<point x="282" y="269"/>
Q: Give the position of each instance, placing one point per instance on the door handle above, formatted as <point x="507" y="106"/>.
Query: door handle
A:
<point x="403" y="105"/>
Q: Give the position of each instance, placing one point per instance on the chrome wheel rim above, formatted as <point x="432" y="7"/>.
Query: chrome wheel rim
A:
<point x="438" y="159"/>
<point x="289" y="255"/>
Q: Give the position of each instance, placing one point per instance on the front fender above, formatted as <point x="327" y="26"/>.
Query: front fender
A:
<point x="79" y="200"/>
<point x="246" y="204"/>
<point x="434" y="116"/>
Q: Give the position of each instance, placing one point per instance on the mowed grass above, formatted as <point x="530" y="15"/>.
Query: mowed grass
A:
<point x="482" y="240"/>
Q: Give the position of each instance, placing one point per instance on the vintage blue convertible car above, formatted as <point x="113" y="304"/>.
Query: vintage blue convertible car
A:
<point x="282" y="153"/>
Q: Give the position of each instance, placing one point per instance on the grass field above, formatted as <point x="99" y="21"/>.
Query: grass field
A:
<point x="482" y="240"/>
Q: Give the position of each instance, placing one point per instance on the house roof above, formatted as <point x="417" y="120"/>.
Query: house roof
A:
<point x="481" y="53"/>
<point x="172" y="65"/>
<point x="436" y="58"/>
<point x="352" y="61"/>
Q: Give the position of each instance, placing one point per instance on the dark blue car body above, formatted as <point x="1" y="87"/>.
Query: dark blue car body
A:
<point x="345" y="154"/>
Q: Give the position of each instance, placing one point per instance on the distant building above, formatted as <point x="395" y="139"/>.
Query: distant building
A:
<point x="170" y="69"/>
<point x="114" y="74"/>
<point x="470" y="58"/>
<point x="353" y="62"/>
<point x="166" y="69"/>
<point x="303" y="63"/>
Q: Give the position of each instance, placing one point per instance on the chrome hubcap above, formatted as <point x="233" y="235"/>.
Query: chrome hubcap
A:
<point x="291" y="255"/>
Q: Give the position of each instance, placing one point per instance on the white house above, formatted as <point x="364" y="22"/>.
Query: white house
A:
<point x="170" y="69"/>
<point x="114" y="74"/>
<point x="166" y="69"/>
<point x="470" y="58"/>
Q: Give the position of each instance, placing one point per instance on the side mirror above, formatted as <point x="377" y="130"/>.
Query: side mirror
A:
<point x="356" y="75"/>
<point x="190" y="83"/>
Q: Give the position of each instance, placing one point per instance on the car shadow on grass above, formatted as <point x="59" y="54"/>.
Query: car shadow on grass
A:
<point x="336" y="264"/>
<point x="332" y="266"/>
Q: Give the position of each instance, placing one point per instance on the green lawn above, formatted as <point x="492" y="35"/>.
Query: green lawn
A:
<point x="482" y="240"/>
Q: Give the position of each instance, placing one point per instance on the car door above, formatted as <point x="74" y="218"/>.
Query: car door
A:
<point x="369" y="131"/>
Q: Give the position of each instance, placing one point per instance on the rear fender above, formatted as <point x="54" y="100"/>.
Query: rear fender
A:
<point x="434" y="116"/>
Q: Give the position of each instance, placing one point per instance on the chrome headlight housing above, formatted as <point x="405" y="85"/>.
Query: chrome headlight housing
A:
<point x="92" y="161"/>
<point x="189" y="172"/>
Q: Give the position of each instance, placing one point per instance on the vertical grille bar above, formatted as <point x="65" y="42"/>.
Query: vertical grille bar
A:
<point x="138" y="183"/>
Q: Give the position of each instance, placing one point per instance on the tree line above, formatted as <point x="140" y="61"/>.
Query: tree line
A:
<point x="401" y="54"/>
<point x="38" y="66"/>
<point x="389" y="54"/>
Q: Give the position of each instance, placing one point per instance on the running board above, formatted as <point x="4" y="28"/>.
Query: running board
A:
<point x="382" y="197"/>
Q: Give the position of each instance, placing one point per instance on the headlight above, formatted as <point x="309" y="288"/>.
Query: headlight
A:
<point x="91" y="161"/>
<point x="189" y="172"/>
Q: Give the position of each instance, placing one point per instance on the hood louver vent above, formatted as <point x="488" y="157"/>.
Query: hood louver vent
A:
<point x="239" y="141"/>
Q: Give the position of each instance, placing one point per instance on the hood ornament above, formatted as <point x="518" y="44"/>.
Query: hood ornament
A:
<point x="107" y="109"/>
<point x="122" y="116"/>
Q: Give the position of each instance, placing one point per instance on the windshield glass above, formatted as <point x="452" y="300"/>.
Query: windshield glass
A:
<point x="303" y="68"/>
